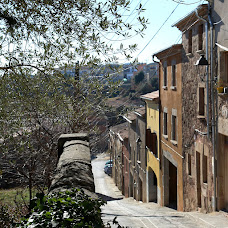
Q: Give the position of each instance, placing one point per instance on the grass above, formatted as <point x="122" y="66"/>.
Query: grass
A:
<point x="16" y="201"/>
<point x="13" y="196"/>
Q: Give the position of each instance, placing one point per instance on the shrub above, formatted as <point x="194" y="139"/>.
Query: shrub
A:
<point x="5" y="217"/>
<point x="64" y="209"/>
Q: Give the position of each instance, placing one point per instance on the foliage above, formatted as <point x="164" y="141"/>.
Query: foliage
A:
<point x="139" y="77"/>
<point x="154" y="84"/>
<point x="65" y="209"/>
<point x="40" y="97"/>
<point x="5" y="217"/>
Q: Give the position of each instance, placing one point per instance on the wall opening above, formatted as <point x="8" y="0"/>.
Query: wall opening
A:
<point x="198" y="183"/>
<point x="172" y="186"/>
<point x="140" y="191"/>
<point x="152" y="184"/>
<point x="131" y="186"/>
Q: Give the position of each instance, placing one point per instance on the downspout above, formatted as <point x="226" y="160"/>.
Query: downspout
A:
<point x="212" y="95"/>
<point x="207" y="73"/>
<point x="213" y="109"/>
<point x="159" y="109"/>
<point x="159" y="105"/>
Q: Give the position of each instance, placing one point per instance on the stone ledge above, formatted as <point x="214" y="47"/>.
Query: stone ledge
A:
<point x="69" y="137"/>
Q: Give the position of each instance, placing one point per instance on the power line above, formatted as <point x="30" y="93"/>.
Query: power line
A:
<point x="183" y="3"/>
<point x="159" y="29"/>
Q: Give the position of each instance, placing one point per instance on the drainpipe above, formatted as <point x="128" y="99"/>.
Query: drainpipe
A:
<point x="213" y="109"/>
<point x="159" y="107"/>
<point x="207" y="73"/>
<point x="212" y="95"/>
<point x="159" y="103"/>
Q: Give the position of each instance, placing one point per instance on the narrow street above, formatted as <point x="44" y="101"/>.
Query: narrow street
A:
<point x="131" y="213"/>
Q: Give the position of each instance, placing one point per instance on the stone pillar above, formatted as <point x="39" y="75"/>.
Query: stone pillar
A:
<point x="74" y="165"/>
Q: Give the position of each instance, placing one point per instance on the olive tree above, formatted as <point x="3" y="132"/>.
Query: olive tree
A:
<point x="41" y="41"/>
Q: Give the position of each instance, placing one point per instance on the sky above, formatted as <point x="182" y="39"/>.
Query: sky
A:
<point x="159" y="12"/>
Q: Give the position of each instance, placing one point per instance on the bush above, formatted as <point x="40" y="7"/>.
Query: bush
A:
<point x="5" y="217"/>
<point x="64" y="209"/>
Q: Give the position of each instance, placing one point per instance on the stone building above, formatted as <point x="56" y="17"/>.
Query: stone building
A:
<point x="137" y="154"/>
<point x="170" y="86"/>
<point x="153" y="177"/>
<point x="197" y="111"/>
<point x="118" y="143"/>
<point x="219" y="67"/>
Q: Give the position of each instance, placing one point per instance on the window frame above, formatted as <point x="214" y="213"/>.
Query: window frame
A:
<point x="190" y="41"/>
<point x="201" y="100"/>
<point x="200" y="37"/>
<point x="173" y="75"/>
<point x="165" y="75"/>
<point x="165" y="123"/>
<point x="174" y="124"/>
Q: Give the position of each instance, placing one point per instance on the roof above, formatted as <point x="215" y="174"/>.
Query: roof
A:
<point x="131" y="116"/>
<point x="121" y="130"/>
<point x="170" y="51"/>
<point x="154" y="96"/>
<point x="190" y="18"/>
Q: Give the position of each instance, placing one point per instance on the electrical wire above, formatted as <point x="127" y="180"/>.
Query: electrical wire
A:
<point x="183" y="3"/>
<point x="158" y="29"/>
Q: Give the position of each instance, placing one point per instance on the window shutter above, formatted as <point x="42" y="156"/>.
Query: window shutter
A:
<point x="171" y="127"/>
<point x="163" y="123"/>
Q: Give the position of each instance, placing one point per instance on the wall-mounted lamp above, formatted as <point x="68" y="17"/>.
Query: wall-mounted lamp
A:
<point x="202" y="61"/>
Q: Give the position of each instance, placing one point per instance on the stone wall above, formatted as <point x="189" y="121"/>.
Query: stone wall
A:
<point x="197" y="149"/>
<point x="74" y="165"/>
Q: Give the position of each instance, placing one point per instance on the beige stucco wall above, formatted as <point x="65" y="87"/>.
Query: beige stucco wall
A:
<point x="172" y="99"/>
<point x="152" y="162"/>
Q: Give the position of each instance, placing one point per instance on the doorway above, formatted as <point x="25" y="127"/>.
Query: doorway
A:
<point x="152" y="186"/>
<point x="172" y="186"/>
<point x="198" y="182"/>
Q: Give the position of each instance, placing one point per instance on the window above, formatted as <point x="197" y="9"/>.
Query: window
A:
<point x="165" y="122"/>
<point x="165" y="75"/>
<point x="200" y="37"/>
<point x="174" y="127"/>
<point x="201" y="99"/>
<point x="226" y="70"/>
<point x="190" y="41"/>
<point x="174" y="130"/>
<point x="204" y="169"/>
<point x="151" y="141"/>
<point x="189" y="165"/>
<point x="173" y="74"/>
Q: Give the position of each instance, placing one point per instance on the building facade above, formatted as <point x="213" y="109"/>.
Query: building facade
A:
<point x="137" y="154"/>
<point x="118" y="143"/>
<point x="220" y="71"/>
<point x="153" y="177"/>
<point x="170" y="86"/>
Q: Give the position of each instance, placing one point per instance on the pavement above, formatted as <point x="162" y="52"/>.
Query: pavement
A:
<point x="151" y="214"/>
<point x="212" y="220"/>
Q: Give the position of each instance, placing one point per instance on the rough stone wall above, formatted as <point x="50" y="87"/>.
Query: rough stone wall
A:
<point x="191" y="77"/>
<point x="141" y="126"/>
<point x="118" y="163"/>
<point x="74" y="165"/>
<point x="219" y="10"/>
<point x="125" y="162"/>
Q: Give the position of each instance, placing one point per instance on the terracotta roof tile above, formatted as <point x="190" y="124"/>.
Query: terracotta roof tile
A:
<point x="151" y="96"/>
